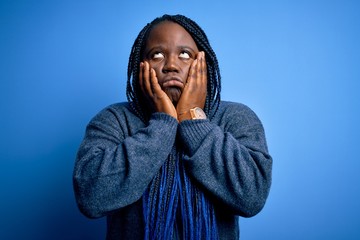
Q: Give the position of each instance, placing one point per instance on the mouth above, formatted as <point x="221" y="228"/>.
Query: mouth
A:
<point x="173" y="82"/>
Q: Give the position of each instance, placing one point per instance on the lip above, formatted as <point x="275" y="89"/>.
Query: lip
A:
<point x="173" y="82"/>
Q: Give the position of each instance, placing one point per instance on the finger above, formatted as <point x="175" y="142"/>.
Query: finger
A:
<point x="192" y="72"/>
<point x="204" y="69"/>
<point x="147" y="85"/>
<point x="199" y="68"/>
<point x="203" y="62"/>
<point x="155" y="87"/>
<point x="201" y="75"/>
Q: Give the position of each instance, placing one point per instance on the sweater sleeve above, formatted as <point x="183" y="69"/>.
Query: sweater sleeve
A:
<point x="230" y="159"/>
<point x="112" y="169"/>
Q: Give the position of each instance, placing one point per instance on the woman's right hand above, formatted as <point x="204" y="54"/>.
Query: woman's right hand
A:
<point x="151" y="89"/>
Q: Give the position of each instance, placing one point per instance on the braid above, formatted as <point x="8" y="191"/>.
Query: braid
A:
<point x="213" y="72"/>
<point x="172" y="203"/>
<point x="133" y="91"/>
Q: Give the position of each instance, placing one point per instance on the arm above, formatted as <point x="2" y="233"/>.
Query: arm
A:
<point x="231" y="161"/>
<point x="112" y="169"/>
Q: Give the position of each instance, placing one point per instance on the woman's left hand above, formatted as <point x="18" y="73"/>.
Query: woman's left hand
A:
<point x="195" y="90"/>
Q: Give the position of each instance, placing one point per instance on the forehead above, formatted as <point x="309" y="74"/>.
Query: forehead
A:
<point x="168" y="32"/>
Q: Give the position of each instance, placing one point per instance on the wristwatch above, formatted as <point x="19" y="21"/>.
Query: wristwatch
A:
<point x="193" y="113"/>
<point x="197" y="113"/>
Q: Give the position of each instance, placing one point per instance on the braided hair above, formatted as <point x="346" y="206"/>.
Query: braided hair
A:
<point x="133" y="91"/>
<point x="174" y="206"/>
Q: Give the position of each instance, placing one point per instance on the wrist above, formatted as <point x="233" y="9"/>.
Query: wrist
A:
<point x="192" y="114"/>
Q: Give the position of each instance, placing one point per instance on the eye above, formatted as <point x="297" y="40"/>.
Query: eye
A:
<point x="158" y="56"/>
<point x="184" y="55"/>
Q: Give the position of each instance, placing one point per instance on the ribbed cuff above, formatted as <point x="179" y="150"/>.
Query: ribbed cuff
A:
<point x="164" y="123"/>
<point x="193" y="132"/>
<point x="163" y="117"/>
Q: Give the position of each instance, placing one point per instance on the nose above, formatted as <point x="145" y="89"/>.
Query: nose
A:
<point x="170" y="65"/>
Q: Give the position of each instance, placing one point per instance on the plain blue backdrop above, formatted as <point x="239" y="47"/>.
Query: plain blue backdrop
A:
<point x="295" y="63"/>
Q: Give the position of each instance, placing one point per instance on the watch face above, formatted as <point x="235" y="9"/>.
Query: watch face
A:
<point x="199" y="113"/>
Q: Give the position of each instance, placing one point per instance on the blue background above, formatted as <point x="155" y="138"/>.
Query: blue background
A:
<point x="295" y="63"/>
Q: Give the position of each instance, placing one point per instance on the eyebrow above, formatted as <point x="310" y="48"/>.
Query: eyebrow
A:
<point x="160" y="48"/>
<point x="187" y="47"/>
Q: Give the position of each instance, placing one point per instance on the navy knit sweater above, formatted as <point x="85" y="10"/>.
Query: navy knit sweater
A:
<point x="227" y="157"/>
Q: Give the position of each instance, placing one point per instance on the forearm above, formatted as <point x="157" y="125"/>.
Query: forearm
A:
<point x="113" y="171"/>
<point x="237" y="171"/>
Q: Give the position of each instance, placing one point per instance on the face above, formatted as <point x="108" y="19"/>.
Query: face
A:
<point x="170" y="50"/>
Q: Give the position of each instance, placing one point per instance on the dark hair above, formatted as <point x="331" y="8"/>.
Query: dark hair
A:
<point x="133" y="91"/>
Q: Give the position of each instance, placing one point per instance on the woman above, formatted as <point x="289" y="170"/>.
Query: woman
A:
<point x="174" y="162"/>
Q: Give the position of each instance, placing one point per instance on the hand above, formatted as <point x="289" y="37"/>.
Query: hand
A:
<point x="151" y="89"/>
<point x="194" y="93"/>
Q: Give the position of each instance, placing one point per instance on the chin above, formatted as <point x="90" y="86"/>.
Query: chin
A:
<point x="174" y="94"/>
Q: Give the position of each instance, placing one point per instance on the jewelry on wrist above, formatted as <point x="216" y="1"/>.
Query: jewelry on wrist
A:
<point x="194" y="113"/>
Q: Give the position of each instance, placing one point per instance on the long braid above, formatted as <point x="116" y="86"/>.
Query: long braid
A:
<point x="213" y="72"/>
<point x="172" y="187"/>
<point x="133" y="90"/>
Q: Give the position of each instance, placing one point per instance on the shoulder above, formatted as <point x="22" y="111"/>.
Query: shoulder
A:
<point x="236" y="113"/>
<point x="115" y="109"/>
<point x="117" y="118"/>
<point x="116" y="112"/>
<point x="227" y="105"/>
<point x="119" y="107"/>
<point x="234" y="108"/>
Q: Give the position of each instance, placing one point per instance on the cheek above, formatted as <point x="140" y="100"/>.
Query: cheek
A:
<point x="156" y="66"/>
<point x="158" y="71"/>
<point x="186" y="68"/>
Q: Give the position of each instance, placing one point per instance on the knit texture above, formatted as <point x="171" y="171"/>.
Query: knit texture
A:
<point x="195" y="217"/>
<point x="226" y="159"/>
